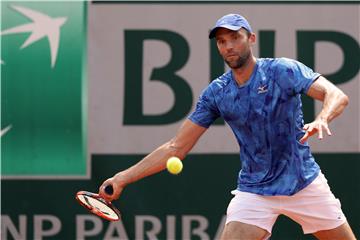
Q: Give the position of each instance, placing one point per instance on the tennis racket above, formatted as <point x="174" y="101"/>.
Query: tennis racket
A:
<point x="97" y="205"/>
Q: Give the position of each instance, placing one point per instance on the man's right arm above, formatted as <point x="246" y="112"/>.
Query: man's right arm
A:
<point x="186" y="137"/>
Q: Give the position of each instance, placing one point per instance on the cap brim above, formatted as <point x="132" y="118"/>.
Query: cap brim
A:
<point x="230" y="27"/>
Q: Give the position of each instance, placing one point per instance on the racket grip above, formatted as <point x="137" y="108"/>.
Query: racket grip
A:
<point x="109" y="190"/>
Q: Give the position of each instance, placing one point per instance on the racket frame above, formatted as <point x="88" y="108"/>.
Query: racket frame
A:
<point x="94" y="210"/>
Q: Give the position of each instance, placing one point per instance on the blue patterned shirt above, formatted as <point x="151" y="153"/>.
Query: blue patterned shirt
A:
<point x="266" y="117"/>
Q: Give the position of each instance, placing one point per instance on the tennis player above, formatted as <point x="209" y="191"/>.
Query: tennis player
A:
<point x="260" y="100"/>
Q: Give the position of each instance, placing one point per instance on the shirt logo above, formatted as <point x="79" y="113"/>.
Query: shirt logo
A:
<point x="262" y="89"/>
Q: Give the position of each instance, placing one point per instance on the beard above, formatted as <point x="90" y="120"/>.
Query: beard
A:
<point x="240" y="61"/>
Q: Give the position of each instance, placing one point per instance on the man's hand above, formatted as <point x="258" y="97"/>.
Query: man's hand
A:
<point x="115" y="182"/>
<point x="317" y="126"/>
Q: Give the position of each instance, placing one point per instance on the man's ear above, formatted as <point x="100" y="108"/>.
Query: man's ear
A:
<point x="252" y="38"/>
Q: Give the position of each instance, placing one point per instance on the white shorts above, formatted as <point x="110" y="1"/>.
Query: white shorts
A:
<point x="315" y="208"/>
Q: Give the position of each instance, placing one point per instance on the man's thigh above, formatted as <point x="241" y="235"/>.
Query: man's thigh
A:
<point x="243" y="231"/>
<point x="343" y="232"/>
<point x="252" y="209"/>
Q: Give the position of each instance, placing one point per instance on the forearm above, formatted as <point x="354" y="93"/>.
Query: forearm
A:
<point x="334" y="104"/>
<point x="334" y="100"/>
<point x="149" y="165"/>
<point x="179" y="146"/>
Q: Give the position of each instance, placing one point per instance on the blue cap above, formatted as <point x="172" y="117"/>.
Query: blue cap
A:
<point x="231" y="21"/>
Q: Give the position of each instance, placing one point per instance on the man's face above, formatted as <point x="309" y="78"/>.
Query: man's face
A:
<point x="234" y="46"/>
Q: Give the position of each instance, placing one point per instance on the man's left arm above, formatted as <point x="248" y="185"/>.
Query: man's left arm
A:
<point x="334" y="102"/>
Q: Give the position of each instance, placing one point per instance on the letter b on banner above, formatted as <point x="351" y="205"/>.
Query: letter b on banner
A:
<point x="133" y="109"/>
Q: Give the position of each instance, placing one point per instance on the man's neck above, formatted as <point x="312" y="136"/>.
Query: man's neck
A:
<point x="243" y="74"/>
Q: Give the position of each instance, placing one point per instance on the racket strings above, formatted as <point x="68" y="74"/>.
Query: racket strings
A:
<point x="98" y="205"/>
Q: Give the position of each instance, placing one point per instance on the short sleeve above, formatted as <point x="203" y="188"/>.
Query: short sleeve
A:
<point x="294" y="77"/>
<point x="206" y="110"/>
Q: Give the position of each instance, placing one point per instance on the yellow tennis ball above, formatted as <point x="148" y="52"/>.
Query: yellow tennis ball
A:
<point x="174" y="165"/>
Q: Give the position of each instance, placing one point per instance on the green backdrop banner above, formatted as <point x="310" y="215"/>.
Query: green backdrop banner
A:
<point x="43" y="88"/>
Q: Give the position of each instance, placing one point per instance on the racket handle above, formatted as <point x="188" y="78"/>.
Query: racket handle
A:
<point x="109" y="190"/>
